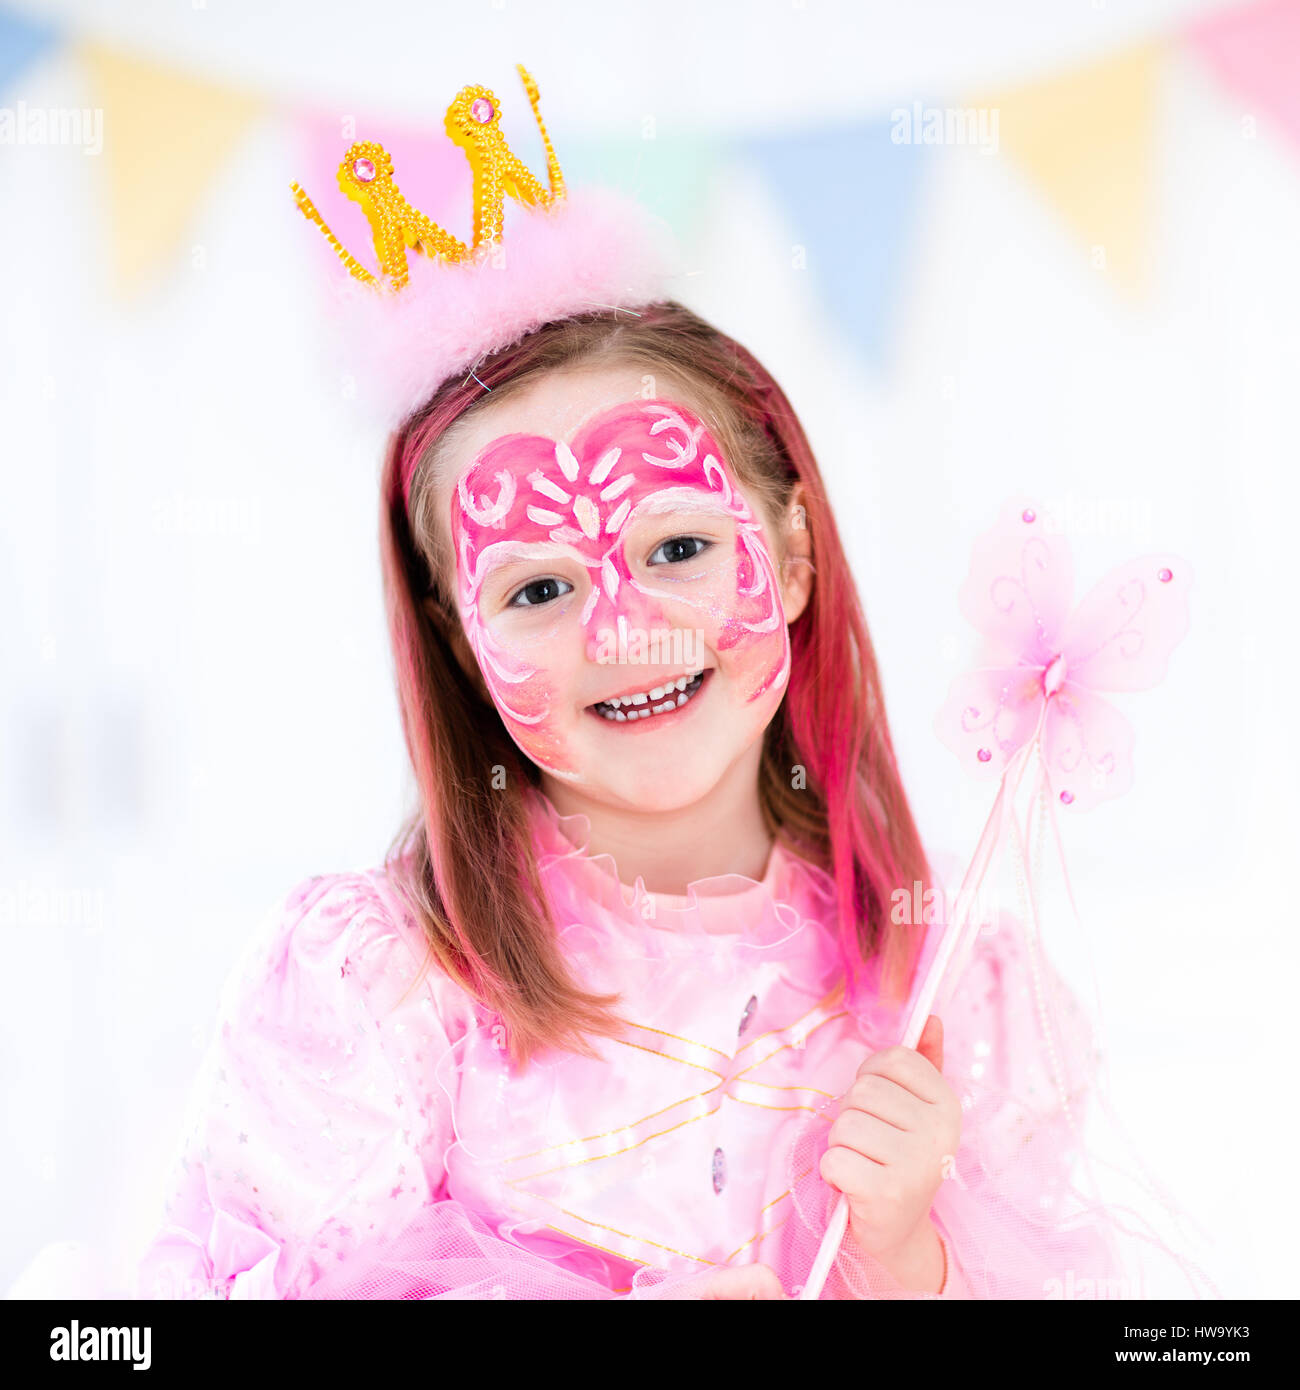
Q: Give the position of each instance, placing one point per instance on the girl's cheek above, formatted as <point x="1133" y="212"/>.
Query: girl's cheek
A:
<point x="530" y="710"/>
<point x="750" y="634"/>
<point x="544" y="744"/>
<point x="756" y="661"/>
<point x="529" y="702"/>
<point x="528" y="693"/>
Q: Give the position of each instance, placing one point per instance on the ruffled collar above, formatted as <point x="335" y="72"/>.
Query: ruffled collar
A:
<point x="767" y="914"/>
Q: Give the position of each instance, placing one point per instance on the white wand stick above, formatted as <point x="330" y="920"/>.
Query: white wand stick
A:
<point x="958" y="937"/>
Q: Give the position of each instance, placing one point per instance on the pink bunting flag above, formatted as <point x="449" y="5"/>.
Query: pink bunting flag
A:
<point x="1255" y="51"/>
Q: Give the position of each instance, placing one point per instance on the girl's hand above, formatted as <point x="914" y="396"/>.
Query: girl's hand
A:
<point x="892" y="1145"/>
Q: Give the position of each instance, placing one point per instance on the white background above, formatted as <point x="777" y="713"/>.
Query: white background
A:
<point x="196" y="705"/>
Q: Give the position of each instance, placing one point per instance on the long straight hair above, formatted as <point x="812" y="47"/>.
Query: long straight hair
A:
<point x="829" y="782"/>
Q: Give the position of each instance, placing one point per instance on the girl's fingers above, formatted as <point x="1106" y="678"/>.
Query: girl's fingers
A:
<point x="849" y="1171"/>
<point x="930" y="1043"/>
<point x="877" y="1095"/>
<point x="909" y="1069"/>
<point x="874" y="1139"/>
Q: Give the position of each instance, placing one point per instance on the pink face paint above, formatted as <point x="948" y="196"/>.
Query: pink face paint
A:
<point x="589" y="514"/>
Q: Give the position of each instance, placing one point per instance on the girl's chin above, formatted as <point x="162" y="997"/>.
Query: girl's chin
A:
<point x="665" y="793"/>
<point x="657" y="782"/>
<point x="652" y="783"/>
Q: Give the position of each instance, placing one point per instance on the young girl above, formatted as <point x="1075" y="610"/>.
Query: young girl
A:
<point x="616" y="1018"/>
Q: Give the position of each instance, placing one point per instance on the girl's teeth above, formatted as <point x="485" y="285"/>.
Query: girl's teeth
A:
<point x="621" y="708"/>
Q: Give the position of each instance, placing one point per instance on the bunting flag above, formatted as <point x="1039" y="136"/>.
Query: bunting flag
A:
<point x="1255" y="52"/>
<point x="165" y="135"/>
<point x="849" y="196"/>
<point x="22" y="42"/>
<point x="670" y="175"/>
<point x="1085" y="139"/>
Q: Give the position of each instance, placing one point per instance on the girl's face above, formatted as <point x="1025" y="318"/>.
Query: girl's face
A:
<point x="617" y="586"/>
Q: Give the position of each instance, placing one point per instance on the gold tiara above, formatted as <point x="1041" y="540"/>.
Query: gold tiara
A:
<point x="366" y="176"/>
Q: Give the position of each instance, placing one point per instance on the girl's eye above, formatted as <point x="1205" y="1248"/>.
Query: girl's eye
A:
<point x="679" y="549"/>
<point x="540" y="591"/>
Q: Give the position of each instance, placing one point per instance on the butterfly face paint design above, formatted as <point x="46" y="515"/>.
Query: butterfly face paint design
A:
<point x="579" y="525"/>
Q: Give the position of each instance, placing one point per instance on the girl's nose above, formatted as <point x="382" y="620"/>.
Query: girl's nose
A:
<point x="619" y="626"/>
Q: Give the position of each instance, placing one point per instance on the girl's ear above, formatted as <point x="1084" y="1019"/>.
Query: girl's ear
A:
<point x="797" y="567"/>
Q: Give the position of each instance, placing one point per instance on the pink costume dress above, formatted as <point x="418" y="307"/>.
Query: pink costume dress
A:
<point x="362" y="1134"/>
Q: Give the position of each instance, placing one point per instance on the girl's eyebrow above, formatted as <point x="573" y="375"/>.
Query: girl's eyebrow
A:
<point x="681" y="500"/>
<point x="505" y="553"/>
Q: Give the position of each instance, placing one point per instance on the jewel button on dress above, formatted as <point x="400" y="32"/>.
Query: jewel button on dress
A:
<point x="748" y="1014"/>
<point x="719" y="1170"/>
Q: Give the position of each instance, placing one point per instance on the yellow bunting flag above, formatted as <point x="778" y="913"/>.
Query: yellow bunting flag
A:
<point x="166" y="133"/>
<point x="1085" y="137"/>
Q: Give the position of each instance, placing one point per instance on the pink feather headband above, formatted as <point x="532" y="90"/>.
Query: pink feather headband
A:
<point x="407" y="329"/>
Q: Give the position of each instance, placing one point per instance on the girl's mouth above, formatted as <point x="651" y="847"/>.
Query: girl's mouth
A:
<point x="652" y="703"/>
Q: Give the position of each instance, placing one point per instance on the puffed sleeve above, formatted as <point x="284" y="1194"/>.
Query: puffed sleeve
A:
<point x="317" y="1124"/>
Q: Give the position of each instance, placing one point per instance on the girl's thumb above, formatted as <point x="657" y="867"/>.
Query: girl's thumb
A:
<point x="930" y="1043"/>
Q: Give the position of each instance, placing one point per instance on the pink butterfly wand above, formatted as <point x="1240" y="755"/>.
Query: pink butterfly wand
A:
<point x="1037" y="702"/>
